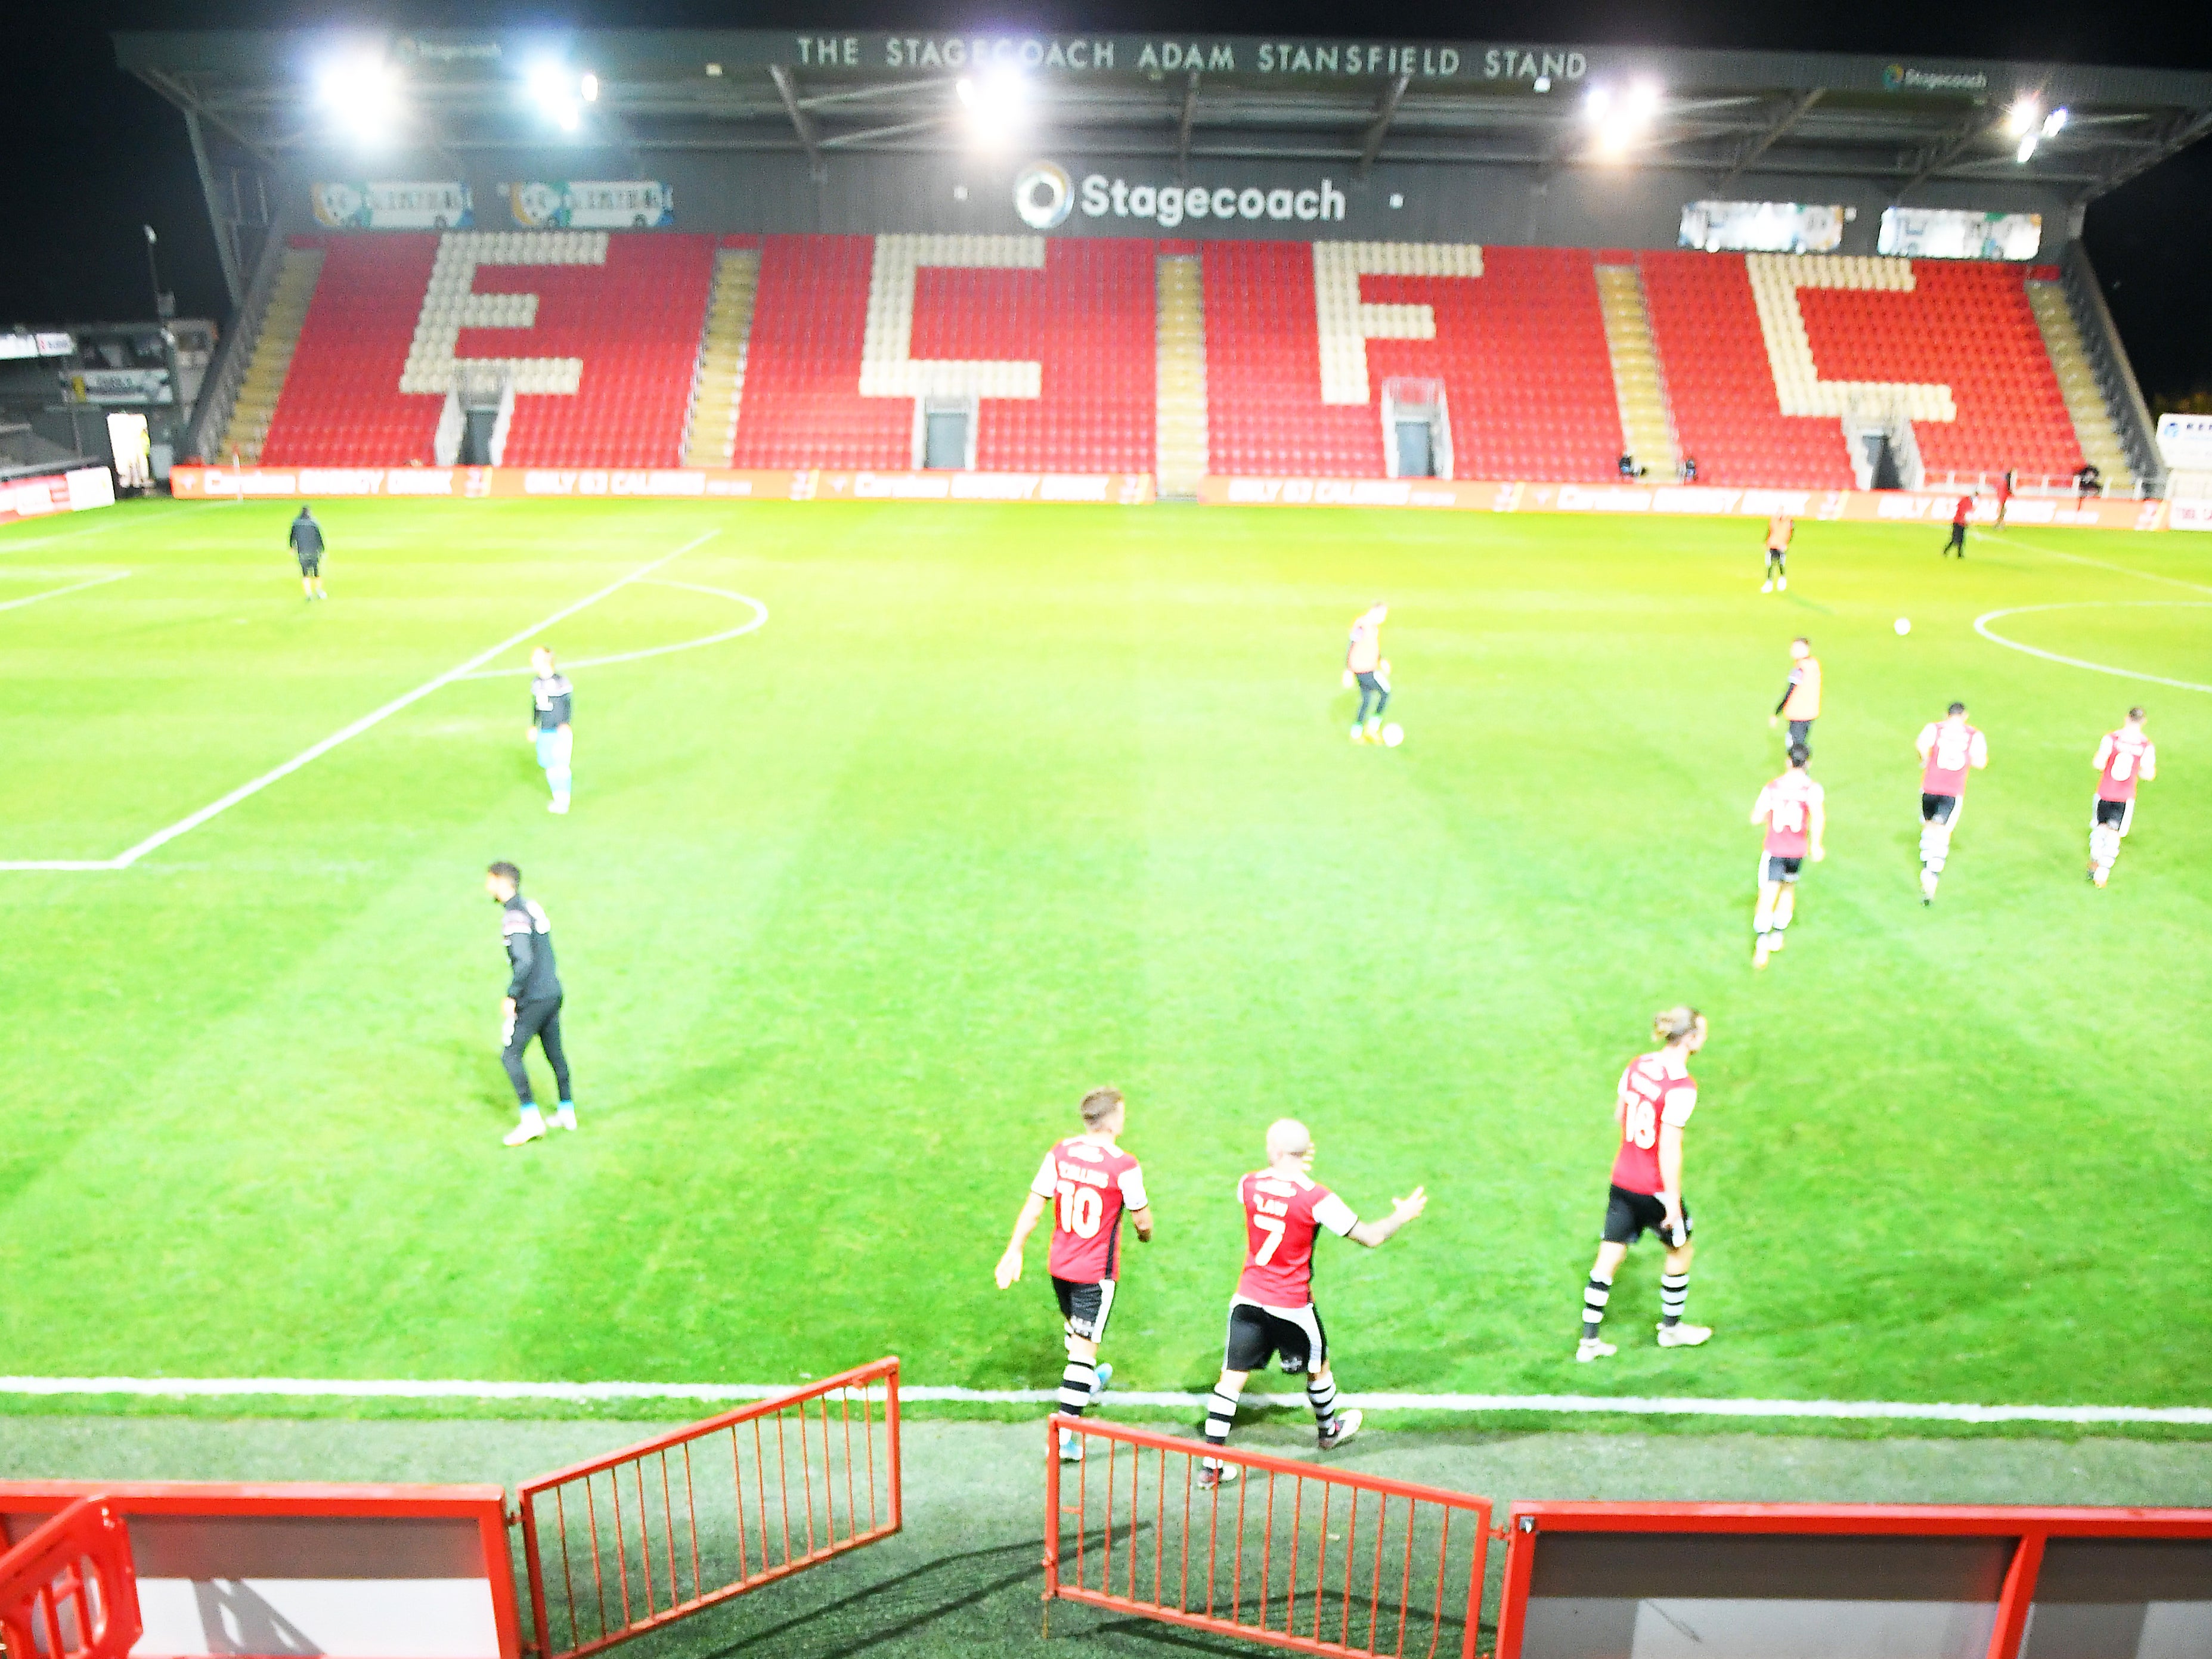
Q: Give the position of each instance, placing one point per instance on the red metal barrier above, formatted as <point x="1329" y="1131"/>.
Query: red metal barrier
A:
<point x="68" y="1591"/>
<point x="634" y="1540"/>
<point x="1297" y="1555"/>
<point x="1747" y="1566"/>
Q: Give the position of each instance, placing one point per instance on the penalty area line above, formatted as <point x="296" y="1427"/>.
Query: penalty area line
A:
<point x="280" y="1388"/>
<point x="56" y="592"/>
<point x="246" y="791"/>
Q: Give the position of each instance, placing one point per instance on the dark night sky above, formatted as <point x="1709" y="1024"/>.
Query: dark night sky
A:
<point x="94" y="154"/>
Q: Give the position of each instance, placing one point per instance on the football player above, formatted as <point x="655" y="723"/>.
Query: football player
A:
<point x="1949" y="748"/>
<point x="1652" y="1106"/>
<point x="1087" y="1180"/>
<point x="1273" y="1314"/>
<point x="1364" y="665"/>
<point x="2123" y="757"/>
<point x="1794" y="810"/>
<point x="551" y="702"/>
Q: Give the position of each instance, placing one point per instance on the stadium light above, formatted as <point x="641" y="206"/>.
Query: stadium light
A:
<point x="2055" y="123"/>
<point x="555" y="91"/>
<point x="2022" y="118"/>
<point x="996" y="102"/>
<point x="1622" y="121"/>
<point x="361" y="93"/>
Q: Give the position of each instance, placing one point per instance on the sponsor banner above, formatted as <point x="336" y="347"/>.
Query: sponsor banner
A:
<point x="59" y="492"/>
<point x="2184" y="442"/>
<point x="591" y="204"/>
<point x="1959" y="234"/>
<point x="393" y="204"/>
<point x="1865" y="506"/>
<point x="784" y="485"/>
<point x="119" y="385"/>
<point x="1046" y="195"/>
<point x="1763" y="227"/>
<point x="2190" y="512"/>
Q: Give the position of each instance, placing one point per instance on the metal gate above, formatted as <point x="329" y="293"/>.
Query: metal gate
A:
<point x="640" y="1538"/>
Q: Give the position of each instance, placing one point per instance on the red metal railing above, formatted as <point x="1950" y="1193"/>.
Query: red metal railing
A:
<point x="2028" y="1539"/>
<point x="68" y="1591"/>
<point x="1296" y="1555"/>
<point x="651" y="1533"/>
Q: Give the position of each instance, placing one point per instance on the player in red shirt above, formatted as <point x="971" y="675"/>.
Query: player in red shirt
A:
<point x="1652" y="1106"/>
<point x="1272" y="1313"/>
<point x="1948" y="749"/>
<point x="2124" y="757"/>
<point x="1794" y="810"/>
<point x="1089" y="1180"/>
<point x="1958" y="517"/>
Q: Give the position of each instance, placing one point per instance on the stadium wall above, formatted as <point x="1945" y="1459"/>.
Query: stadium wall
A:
<point x="1636" y="207"/>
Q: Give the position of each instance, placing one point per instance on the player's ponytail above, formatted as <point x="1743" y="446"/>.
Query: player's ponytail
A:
<point x="1671" y="1025"/>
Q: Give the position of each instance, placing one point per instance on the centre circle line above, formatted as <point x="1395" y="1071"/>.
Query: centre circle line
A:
<point x="1982" y="627"/>
<point x="759" y="620"/>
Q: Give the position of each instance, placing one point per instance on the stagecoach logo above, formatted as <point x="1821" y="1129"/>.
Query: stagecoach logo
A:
<point x="1043" y="195"/>
<point x="1897" y="77"/>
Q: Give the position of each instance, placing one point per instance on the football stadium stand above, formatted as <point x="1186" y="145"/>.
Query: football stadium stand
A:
<point x="1123" y="354"/>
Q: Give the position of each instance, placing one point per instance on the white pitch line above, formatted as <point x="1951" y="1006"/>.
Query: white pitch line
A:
<point x="159" y="838"/>
<point x="760" y="620"/>
<point x="2101" y="564"/>
<point x="1982" y="622"/>
<point x="56" y="592"/>
<point x="230" y="1388"/>
<point x="129" y="521"/>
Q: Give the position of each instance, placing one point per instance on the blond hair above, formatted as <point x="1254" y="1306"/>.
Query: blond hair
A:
<point x="1671" y="1025"/>
<point x="1099" y="1105"/>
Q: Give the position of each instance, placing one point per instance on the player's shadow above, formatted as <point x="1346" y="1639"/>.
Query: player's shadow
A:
<point x="899" y="1606"/>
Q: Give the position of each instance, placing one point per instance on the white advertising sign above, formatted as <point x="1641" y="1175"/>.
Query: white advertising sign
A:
<point x="2184" y="442"/>
<point x="1762" y="228"/>
<point x="393" y="204"/>
<point x="591" y="203"/>
<point x="1960" y="234"/>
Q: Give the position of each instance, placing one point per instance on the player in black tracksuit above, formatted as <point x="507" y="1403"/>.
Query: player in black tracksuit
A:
<point x="533" y="1002"/>
<point x="307" y="541"/>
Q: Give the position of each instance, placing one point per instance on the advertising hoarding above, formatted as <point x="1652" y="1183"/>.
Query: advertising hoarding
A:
<point x="393" y="204"/>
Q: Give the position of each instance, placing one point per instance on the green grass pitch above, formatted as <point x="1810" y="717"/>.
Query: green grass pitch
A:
<point x="1004" y="802"/>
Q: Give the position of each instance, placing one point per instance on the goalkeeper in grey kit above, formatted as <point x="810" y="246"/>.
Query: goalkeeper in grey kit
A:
<point x="532" y="1004"/>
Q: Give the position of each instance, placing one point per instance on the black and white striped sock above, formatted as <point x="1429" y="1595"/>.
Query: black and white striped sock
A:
<point x="1674" y="1296"/>
<point x="1596" y="1295"/>
<point x="1321" y="1396"/>
<point x="1220" y="1412"/>
<point x="1075" y="1384"/>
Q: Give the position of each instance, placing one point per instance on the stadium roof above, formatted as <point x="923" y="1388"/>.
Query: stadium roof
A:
<point x="1729" y="115"/>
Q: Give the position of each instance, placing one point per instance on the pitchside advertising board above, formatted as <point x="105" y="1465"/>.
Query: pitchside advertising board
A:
<point x="57" y="492"/>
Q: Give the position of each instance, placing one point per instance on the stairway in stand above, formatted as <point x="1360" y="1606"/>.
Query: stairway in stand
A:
<point x="277" y="337"/>
<point x="714" y="428"/>
<point x="1646" y="428"/>
<point x="2077" y="384"/>
<point x="1182" y="376"/>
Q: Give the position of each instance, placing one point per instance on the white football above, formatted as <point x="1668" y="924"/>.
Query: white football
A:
<point x="1904" y="624"/>
<point x="1393" y="735"/>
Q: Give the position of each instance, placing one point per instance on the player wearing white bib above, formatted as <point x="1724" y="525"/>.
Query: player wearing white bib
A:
<point x="2123" y="757"/>
<point x="1793" y="809"/>
<point x="1949" y="748"/>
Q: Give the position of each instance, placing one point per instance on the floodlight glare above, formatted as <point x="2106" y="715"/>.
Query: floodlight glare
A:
<point x="590" y="89"/>
<point x="554" y="89"/>
<point x="1596" y="102"/>
<point x="2055" y="123"/>
<point x="2026" y="148"/>
<point x="1643" y="99"/>
<point x="2026" y="111"/>
<point x="996" y="102"/>
<point x="361" y="92"/>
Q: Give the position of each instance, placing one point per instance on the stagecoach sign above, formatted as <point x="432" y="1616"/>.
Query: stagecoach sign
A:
<point x="1163" y="55"/>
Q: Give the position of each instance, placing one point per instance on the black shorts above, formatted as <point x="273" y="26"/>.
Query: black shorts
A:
<point x="2113" y="813"/>
<point x="1629" y="1216"/>
<point x="1801" y="730"/>
<point x="1937" y="809"/>
<point x="1085" y="1309"/>
<point x="1292" y="1334"/>
<point x="312" y="566"/>
<point x="1775" y="554"/>
<point x="1778" y="868"/>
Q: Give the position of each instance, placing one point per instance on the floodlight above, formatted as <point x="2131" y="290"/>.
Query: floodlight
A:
<point x="361" y="92"/>
<point x="1643" y="99"/>
<point x="2026" y="148"/>
<point x="554" y="90"/>
<point x="2025" y="112"/>
<point x="995" y="101"/>
<point x="590" y="89"/>
<point x="1595" y="102"/>
<point x="2055" y="123"/>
